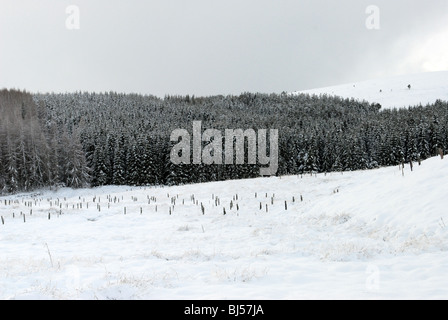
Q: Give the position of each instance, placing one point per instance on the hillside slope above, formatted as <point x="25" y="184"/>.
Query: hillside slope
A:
<point x="376" y="234"/>
<point x="357" y="235"/>
<point x="393" y="91"/>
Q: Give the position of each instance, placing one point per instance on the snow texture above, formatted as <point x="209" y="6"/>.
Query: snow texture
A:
<point x="378" y="234"/>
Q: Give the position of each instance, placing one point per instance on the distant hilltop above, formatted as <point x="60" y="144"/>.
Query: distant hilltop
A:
<point x="393" y="92"/>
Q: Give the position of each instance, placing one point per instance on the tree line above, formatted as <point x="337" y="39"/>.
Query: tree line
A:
<point x="93" y="139"/>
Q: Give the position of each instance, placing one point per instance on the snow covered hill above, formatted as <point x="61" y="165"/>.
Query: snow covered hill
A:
<point x="363" y="235"/>
<point x="393" y="92"/>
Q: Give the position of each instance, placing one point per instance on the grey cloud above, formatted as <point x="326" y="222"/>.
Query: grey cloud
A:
<point x="205" y="47"/>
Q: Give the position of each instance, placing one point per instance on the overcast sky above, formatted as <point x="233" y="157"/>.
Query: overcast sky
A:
<point x="208" y="47"/>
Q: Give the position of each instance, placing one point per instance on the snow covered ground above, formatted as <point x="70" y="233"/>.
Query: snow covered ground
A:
<point x="379" y="234"/>
<point x="393" y="91"/>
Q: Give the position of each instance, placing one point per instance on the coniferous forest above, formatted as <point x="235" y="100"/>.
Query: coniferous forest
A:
<point x="90" y="139"/>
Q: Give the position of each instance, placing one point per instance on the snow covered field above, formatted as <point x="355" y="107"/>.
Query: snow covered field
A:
<point x="393" y="91"/>
<point x="359" y="235"/>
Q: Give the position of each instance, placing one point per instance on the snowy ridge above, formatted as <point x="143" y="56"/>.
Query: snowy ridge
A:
<point x="361" y="235"/>
<point x="393" y="92"/>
